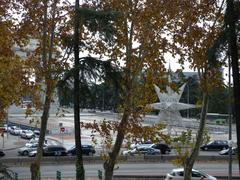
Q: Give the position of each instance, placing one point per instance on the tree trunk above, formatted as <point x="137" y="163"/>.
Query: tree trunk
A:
<point x="50" y="85"/>
<point x="191" y="159"/>
<point x="80" y="174"/>
<point x="231" y="20"/>
<point x="35" y="166"/>
<point x="110" y="163"/>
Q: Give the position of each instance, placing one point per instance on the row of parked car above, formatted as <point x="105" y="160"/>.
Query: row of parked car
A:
<point x="160" y="148"/>
<point x="23" y="133"/>
<point x="30" y="149"/>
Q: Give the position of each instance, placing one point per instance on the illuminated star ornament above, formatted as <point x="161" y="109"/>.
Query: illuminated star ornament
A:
<point x="169" y="104"/>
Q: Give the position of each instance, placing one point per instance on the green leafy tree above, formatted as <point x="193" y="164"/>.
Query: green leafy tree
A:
<point x="231" y="19"/>
<point x="94" y="21"/>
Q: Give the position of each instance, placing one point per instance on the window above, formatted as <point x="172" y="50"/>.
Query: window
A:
<point x="196" y="174"/>
<point x="180" y="173"/>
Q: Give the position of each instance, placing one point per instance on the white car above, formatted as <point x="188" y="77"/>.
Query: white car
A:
<point x="142" y="150"/>
<point x="14" y="130"/>
<point x="133" y="146"/>
<point x="28" y="134"/>
<point x="177" y="174"/>
<point x="27" y="149"/>
<point x="35" y="141"/>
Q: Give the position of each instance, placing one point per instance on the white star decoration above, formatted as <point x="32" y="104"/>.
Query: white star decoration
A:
<point x="169" y="104"/>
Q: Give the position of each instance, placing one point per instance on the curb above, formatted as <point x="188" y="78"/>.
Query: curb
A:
<point x="8" y="149"/>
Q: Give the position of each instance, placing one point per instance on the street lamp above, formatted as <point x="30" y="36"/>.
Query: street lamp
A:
<point x="229" y="120"/>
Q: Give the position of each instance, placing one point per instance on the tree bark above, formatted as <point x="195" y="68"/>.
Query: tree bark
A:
<point x="80" y="174"/>
<point x="35" y="166"/>
<point x="191" y="159"/>
<point x="110" y="163"/>
<point x="231" y="22"/>
<point x="50" y="85"/>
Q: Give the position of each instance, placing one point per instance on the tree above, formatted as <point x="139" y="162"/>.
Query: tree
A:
<point x="198" y="40"/>
<point x="47" y="62"/>
<point x="14" y="70"/>
<point x="80" y="174"/>
<point x="35" y="166"/>
<point x="140" y="23"/>
<point x="231" y="19"/>
<point x="95" y="21"/>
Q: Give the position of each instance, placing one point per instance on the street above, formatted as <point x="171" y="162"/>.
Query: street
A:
<point x="13" y="153"/>
<point x="68" y="170"/>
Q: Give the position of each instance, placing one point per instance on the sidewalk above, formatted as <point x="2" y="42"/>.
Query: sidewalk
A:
<point x="9" y="142"/>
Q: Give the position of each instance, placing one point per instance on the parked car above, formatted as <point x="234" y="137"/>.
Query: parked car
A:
<point x="177" y="174"/>
<point x="145" y="143"/>
<point x="86" y="150"/>
<point x="34" y="140"/>
<point x="36" y="132"/>
<point x="164" y="148"/>
<point x="27" y="134"/>
<point x="4" y="128"/>
<point x="14" y="130"/>
<point x="2" y="153"/>
<point x="142" y="150"/>
<point x="24" y="151"/>
<point x="53" y="150"/>
<point x="226" y="151"/>
<point x="215" y="145"/>
<point x="7" y="128"/>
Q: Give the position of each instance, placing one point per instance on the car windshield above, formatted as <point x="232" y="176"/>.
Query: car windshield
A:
<point x="204" y="174"/>
<point x="210" y="142"/>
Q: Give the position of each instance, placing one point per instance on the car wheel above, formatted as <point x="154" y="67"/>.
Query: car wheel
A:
<point x="25" y="153"/>
<point x="205" y="148"/>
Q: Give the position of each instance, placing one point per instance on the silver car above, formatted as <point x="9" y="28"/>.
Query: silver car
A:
<point x="24" y="151"/>
<point x="27" y="134"/>
<point x="14" y="130"/>
<point x="178" y="174"/>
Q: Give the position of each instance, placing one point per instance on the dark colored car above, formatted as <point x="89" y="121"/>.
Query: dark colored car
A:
<point x="2" y="153"/>
<point x="164" y="148"/>
<point x="86" y="150"/>
<point x="215" y="145"/>
<point x="226" y="151"/>
<point x="53" y="150"/>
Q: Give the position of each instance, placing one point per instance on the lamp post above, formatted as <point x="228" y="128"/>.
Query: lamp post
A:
<point x="188" y="100"/>
<point x="229" y="120"/>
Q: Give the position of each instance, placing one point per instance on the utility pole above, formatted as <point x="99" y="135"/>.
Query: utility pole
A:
<point x="188" y="100"/>
<point x="229" y="120"/>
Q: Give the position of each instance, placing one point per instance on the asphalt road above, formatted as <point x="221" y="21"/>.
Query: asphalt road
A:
<point x="14" y="153"/>
<point x="91" y="170"/>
